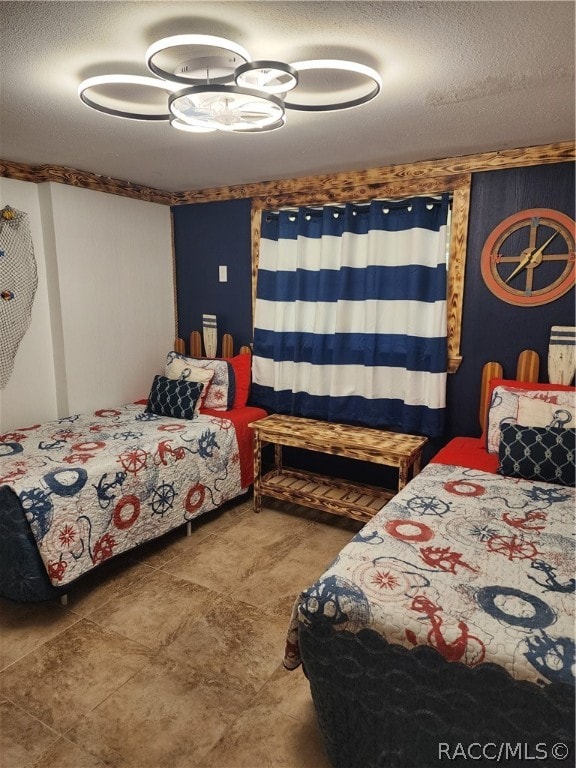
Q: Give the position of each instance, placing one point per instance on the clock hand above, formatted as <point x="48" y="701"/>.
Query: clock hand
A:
<point x="537" y="255"/>
<point x="524" y="263"/>
<point x="531" y="256"/>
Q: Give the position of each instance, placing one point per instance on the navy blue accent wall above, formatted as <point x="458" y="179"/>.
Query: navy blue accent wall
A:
<point x="207" y="235"/>
<point x="491" y="328"/>
<point x="210" y="234"/>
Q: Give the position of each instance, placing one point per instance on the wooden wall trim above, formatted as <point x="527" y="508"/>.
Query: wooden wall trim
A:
<point x="326" y="187"/>
<point x="85" y="179"/>
<point x="456" y="270"/>
<point x="347" y="185"/>
<point x="394" y="189"/>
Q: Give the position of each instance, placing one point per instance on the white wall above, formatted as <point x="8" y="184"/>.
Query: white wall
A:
<point x="103" y="316"/>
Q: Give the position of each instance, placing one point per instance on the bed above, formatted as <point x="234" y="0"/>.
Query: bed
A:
<point x="444" y="631"/>
<point x="80" y="490"/>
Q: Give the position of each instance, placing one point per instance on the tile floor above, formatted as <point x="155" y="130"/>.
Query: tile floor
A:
<point x="171" y="656"/>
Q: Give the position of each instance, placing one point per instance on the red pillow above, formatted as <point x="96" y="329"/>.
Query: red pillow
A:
<point x="527" y="385"/>
<point x="242" y="366"/>
<point x="514" y="384"/>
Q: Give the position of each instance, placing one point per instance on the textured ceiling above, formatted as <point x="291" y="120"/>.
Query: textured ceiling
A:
<point x="458" y="78"/>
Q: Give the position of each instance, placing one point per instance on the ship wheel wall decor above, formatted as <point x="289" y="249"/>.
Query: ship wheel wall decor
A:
<point x="529" y="258"/>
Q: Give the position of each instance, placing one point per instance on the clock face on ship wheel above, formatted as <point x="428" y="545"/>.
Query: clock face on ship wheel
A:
<point x="529" y="258"/>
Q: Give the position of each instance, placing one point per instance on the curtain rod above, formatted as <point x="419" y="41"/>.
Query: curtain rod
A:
<point x="361" y="203"/>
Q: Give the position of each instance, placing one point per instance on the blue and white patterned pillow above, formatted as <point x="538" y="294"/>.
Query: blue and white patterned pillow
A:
<point x="220" y="396"/>
<point x="173" y="397"/>
<point x="504" y="408"/>
<point x="538" y="453"/>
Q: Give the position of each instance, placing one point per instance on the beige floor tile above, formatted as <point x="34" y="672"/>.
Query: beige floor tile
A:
<point x="154" y="610"/>
<point x="170" y="656"/>
<point x="233" y="642"/>
<point x="160" y="718"/>
<point x="23" y="738"/>
<point x="64" y="754"/>
<point x="174" y="543"/>
<point x="288" y="691"/>
<point x="25" y="626"/>
<point x="266" y="738"/>
<point x="160" y="551"/>
<point x="105" y="582"/>
<point x="276" y="587"/>
<point x="271" y="524"/>
<point x="227" y="560"/>
<point x="72" y="673"/>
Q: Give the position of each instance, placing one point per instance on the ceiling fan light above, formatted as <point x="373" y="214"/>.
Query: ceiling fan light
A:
<point x="255" y="103"/>
<point x="269" y="76"/>
<point x="266" y="128"/>
<point x="227" y="108"/>
<point x="179" y="41"/>
<point x="122" y="80"/>
<point x="180" y="125"/>
<point x="343" y="66"/>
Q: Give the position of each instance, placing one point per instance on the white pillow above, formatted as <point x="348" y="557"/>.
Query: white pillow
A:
<point x="222" y="389"/>
<point x="539" y="413"/>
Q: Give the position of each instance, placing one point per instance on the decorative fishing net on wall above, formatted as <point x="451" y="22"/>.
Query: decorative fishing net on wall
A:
<point x="18" y="281"/>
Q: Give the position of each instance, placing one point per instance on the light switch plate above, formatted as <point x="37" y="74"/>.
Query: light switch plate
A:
<point x="223" y="273"/>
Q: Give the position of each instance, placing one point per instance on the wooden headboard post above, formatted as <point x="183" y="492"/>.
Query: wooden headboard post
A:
<point x="527" y="369"/>
<point x="196" y="346"/>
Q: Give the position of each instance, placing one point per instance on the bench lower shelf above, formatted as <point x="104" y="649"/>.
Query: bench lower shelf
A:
<point x="356" y="500"/>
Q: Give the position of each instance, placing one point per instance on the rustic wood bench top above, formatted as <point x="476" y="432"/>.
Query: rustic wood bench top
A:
<point x="374" y="445"/>
<point x="351" y="499"/>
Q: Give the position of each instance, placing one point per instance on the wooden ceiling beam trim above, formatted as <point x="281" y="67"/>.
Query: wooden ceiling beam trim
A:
<point x="322" y="188"/>
<point x="339" y="185"/>
<point x="85" y="179"/>
<point x="365" y="192"/>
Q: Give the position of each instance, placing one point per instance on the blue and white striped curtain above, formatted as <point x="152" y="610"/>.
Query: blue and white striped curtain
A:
<point x="350" y="317"/>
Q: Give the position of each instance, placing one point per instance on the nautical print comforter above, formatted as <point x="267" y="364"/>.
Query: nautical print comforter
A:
<point x="478" y="566"/>
<point x="93" y="486"/>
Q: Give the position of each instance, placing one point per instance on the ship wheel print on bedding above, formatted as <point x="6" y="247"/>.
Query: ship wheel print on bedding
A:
<point x="133" y="460"/>
<point x="162" y="499"/>
<point x="465" y="647"/>
<point x="427" y="505"/>
<point x="513" y="547"/>
<point x="128" y="434"/>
